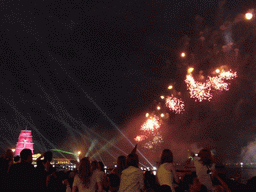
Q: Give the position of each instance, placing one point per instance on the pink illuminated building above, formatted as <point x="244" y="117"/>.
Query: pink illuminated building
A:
<point x="24" y="142"/>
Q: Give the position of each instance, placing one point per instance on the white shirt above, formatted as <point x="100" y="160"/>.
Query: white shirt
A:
<point x="131" y="180"/>
<point x="164" y="176"/>
<point x="203" y="176"/>
<point x="95" y="178"/>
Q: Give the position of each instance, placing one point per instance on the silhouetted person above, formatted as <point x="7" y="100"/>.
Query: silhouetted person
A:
<point x="120" y="165"/>
<point x="44" y="169"/>
<point x="5" y="164"/>
<point x="114" y="182"/>
<point x="16" y="159"/>
<point x="21" y="176"/>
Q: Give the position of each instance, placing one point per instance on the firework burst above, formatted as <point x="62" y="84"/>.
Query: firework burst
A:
<point x="218" y="83"/>
<point x="199" y="91"/>
<point x="157" y="139"/>
<point x="152" y="124"/>
<point x="202" y="91"/>
<point x="140" y="138"/>
<point x="151" y="136"/>
<point x="174" y="104"/>
<point x="228" y="75"/>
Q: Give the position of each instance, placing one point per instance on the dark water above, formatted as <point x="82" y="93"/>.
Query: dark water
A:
<point x="242" y="173"/>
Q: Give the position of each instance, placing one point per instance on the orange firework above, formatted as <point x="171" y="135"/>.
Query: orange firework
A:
<point x="140" y="138"/>
<point x="151" y="135"/>
<point x="228" y="75"/>
<point x="199" y="91"/>
<point x="157" y="139"/>
<point x="152" y="124"/>
<point x="174" y="104"/>
<point x="202" y="91"/>
<point x="218" y="83"/>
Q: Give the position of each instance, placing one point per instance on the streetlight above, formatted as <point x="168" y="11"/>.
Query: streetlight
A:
<point x="217" y="71"/>
<point x="158" y="107"/>
<point x="79" y="152"/>
<point x="147" y="114"/>
<point x="13" y="150"/>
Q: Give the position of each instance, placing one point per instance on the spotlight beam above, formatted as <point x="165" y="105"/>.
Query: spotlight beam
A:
<point x="95" y="104"/>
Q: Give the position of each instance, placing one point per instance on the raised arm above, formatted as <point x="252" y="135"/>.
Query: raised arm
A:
<point x="224" y="185"/>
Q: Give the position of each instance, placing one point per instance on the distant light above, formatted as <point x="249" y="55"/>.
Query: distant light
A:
<point x="147" y="114"/>
<point x="190" y="70"/>
<point x="115" y="165"/>
<point x="248" y="16"/>
<point x="158" y="107"/>
<point x="13" y="150"/>
<point x="162" y="97"/>
<point x="217" y="71"/>
<point x="170" y="87"/>
<point x="154" y="168"/>
<point x="141" y="168"/>
<point x="79" y="152"/>
<point x="162" y="115"/>
<point x="241" y="163"/>
<point x="105" y="167"/>
<point x="183" y="54"/>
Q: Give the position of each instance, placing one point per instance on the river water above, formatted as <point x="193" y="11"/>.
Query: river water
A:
<point x="240" y="173"/>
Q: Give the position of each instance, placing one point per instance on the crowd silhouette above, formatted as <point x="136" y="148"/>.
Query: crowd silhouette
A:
<point x="18" y="174"/>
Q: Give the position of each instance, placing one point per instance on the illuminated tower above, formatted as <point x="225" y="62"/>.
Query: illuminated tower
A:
<point x="24" y="142"/>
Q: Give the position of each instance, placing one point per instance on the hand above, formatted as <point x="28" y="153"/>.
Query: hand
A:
<point x="10" y="163"/>
<point x="65" y="182"/>
<point x="46" y="166"/>
<point x="215" y="173"/>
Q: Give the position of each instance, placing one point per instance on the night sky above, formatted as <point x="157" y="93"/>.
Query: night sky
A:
<point x="76" y="73"/>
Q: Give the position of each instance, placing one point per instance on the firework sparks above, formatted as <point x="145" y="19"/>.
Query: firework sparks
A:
<point x="199" y="91"/>
<point x="157" y="139"/>
<point x="228" y="75"/>
<point x="140" y="138"/>
<point x="202" y="91"/>
<point x="151" y="135"/>
<point x="218" y="83"/>
<point x="152" y="124"/>
<point x="174" y="104"/>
